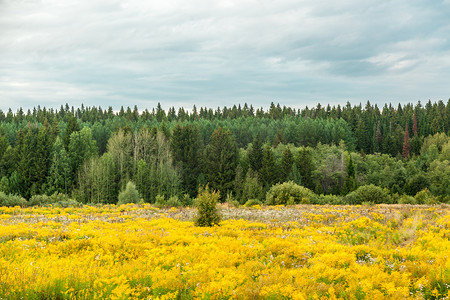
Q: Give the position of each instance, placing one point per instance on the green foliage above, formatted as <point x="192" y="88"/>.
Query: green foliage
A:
<point x="129" y="195"/>
<point x="405" y="199"/>
<point x="368" y="194"/>
<point x="57" y="199"/>
<point x="252" y="188"/>
<point x="425" y="197"/>
<point x="252" y="202"/>
<point x="206" y="203"/>
<point x="288" y="193"/>
<point x="185" y="145"/>
<point x="12" y="200"/>
<point x="328" y="199"/>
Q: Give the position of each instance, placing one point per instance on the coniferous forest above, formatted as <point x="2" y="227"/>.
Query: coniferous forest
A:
<point x="320" y="155"/>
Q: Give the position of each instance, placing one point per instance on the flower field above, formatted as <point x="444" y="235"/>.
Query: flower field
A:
<point x="296" y="252"/>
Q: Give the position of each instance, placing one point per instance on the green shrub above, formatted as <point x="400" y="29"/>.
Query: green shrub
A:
<point x="57" y="199"/>
<point x="206" y="202"/>
<point x="405" y="199"/>
<point x="160" y="201"/>
<point x="186" y="200"/>
<point x="173" y="202"/>
<point x="328" y="199"/>
<point x="39" y="200"/>
<point x="12" y="200"/>
<point x="425" y="197"/>
<point x="230" y="200"/>
<point x="368" y="194"/>
<point x="288" y="193"/>
<point x="129" y="195"/>
<point x="252" y="202"/>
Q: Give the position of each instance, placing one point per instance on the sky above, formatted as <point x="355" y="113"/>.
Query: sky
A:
<point x="222" y="52"/>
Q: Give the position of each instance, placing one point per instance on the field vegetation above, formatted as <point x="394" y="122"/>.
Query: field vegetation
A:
<point x="259" y="252"/>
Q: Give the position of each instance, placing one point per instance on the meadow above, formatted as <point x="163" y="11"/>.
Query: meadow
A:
<point x="278" y="252"/>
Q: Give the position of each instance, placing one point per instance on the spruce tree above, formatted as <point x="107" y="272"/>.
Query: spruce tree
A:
<point x="255" y="154"/>
<point x="185" y="145"/>
<point x="350" y="180"/>
<point x="268" y="171"/>
<point x="72" y="126"/>
<point x="306" y="167"/>
<point x="220" y="161"/>
<point x="287" y="161"/>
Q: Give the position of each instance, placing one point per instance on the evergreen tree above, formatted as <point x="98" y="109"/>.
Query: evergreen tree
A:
<point x="81" y="147"/>
<point x="268" y="171"/>
<point x="287" y="161"/>
<point x="350" y="180"/>
<point x="221" y="161"/>
<point x="306" y="167"/>
<point x="72" y="126"/>
<point x="185" y="145"/>
<point x="255" y="154"/>
<point x="59" y="179"/>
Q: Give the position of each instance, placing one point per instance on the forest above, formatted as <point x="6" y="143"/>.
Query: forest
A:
<point x="349" y="154"/>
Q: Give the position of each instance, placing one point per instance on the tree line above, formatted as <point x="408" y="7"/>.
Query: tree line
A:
<point x="91" y="154"/>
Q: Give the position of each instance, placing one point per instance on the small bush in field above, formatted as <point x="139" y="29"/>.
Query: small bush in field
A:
<point x="173" y="202"/>
<point x="252" y="202"/>
<point x="207" y="214"/>
<point x="129" y="195"/>
<point x="368" y="194"/>
<point x="288" y="193"/>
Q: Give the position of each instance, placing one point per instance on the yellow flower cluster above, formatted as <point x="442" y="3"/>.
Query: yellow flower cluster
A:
<point x="140" y="252"/>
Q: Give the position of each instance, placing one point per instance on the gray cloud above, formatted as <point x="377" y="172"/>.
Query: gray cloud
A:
<point x="213" y="53"/>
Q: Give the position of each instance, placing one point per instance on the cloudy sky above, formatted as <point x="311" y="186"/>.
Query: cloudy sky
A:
<point x="222" y="52"/>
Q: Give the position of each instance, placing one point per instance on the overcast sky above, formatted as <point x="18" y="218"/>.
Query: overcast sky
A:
<point x="215" y="53"/>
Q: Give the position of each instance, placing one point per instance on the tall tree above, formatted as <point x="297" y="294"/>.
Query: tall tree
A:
<point x="59" y="178"/>
<point x="255" y="154"/>
<point x="268" y="171"/>
<point x="406" y="146"/>
<point x="81" y="147"/>
<point x="185" y="145"/>
<point x="72" y="126"/>
<point x="287" y="161"/>
<point x="220" y="161"/>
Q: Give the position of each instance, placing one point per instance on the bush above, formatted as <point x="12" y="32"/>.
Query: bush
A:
<point x="12" y="200"/>
<point x="173" y="202"/>
<point x="328" y="199"/>
<point x="186" y="200"/>
<point x="405" y="199"/>
<point x="160" y="201"/>
<point x="252" y="202"/>
<point x="207" y="214"/>
<point x="425" y="197"/>
<point x="129" y="195"/>
<point x="368" y="194"/>
<point x="288" y="193"/>
<point x="57" y="199"/>
<point x="230" y="200"/>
